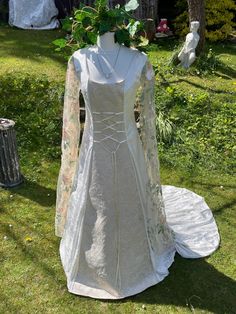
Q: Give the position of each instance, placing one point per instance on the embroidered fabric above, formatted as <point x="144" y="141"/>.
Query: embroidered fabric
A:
<point x="119" y="227"/>
<point x="69" y="146"/>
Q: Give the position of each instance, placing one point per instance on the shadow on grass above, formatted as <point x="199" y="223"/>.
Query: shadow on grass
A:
<point x="203" y="87"/>
<point x="36" y="253"/>
<point x="35" y="192"/>
<point x="193" y="284"/>
<point x="31" y="44"/>
<point x="227" y="71"/>
<point x="226" y="204"/>
<point x="166" y="82"/>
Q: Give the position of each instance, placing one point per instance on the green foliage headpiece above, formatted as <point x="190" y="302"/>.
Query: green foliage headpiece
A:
<point x="88" y="22"/>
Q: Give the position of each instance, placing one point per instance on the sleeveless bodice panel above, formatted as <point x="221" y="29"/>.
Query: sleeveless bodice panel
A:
<point x="106" y="103"/>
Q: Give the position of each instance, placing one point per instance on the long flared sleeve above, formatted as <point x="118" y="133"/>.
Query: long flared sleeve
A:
<point x="181" y="217"/>
<point x="147" y="122"/>
<point x="148" y="136"/>
<point x="69" y="146"/>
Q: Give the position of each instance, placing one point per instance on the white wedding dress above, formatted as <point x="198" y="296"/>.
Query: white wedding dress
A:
<point x="33" y="14"/>
<point x="120" y="228"/>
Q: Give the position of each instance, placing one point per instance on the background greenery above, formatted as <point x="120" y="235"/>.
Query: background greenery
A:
<point x="220" y="19"/>
<point x="195" y="111"/>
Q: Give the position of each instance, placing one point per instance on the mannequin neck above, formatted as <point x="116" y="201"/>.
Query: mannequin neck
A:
<point x="106" y="42"/>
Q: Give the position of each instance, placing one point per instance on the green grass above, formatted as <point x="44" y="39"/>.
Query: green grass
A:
<point x="220" y="84"/>
<point x="32" y="277"/>
<point x="31" y="52"/>
<point x="31" y="274"/>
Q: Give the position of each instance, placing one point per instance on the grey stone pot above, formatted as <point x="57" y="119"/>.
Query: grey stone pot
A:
<point x="10" y="175"/>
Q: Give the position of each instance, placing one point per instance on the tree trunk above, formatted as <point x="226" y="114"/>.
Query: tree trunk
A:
<point x="196" y="9"/>
<point x="147" y="9"/>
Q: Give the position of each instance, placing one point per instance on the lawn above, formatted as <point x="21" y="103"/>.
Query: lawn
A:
<point x="31" y="273"/>
<point x="30" y="52"/>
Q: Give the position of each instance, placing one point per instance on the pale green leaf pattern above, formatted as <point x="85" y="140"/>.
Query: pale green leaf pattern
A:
<point x="156" y="218"/>
<point x="69" y="146"/>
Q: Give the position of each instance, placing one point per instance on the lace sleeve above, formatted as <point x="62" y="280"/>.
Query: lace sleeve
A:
<point x="147" y="124"/>
<point x="156" y="223"/>
<point x="69" y="146"/>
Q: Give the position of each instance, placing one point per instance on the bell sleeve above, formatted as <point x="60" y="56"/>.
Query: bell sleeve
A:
<point x="156" y="222"/>
<point x="147" y="123"/>
<point x="148" y="136"/>
<point x="69" y="146"/>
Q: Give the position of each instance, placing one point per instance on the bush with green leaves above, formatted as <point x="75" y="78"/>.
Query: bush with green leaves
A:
<point x="35" y="104"/>
<point x="196" y="130"/>
<point x="219" y="19"/>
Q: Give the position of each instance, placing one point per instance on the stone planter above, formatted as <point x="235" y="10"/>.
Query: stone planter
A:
<point x="10" y="175"/>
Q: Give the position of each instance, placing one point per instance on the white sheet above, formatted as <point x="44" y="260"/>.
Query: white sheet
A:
<point x="33" y="14"/>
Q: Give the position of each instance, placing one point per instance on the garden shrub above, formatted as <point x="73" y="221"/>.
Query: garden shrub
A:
<point x="36" y="105"/>
<point x="219" y="19"/>
<point x="203" y="132"/>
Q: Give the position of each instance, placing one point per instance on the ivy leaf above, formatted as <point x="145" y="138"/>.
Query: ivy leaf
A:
<point x="122" y="36"/>
<point x="133" y="27"/>
<point x="86" y="22"/>
<point x="92" y="37"/>
<point x="100" y="4"/>
<point x="104" y="27"/>
<point x="61" y="43"/>
<point x="131" y="5"/>
<point x="78" y="33"/>
<point x="143" y="41"/>
<point x="67" y="24"/>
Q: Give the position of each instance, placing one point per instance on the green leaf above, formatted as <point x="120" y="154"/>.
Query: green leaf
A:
<point x="131" y="5"/>
<point x="61" y="43"/>
<point x="104" y="27"/>
<point x="92" y="37"/>
<point x="144" y="41"/>
<point x="86" y="22"/>
<point x="67" y="24"/>
<point x="78" y="33"/>
<point x="100" y="4"/>
<point x="133" y="27"/>
<point x="122" y="36"/>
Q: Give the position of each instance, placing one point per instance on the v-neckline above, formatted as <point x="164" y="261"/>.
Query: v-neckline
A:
<point x="121" y="82"/>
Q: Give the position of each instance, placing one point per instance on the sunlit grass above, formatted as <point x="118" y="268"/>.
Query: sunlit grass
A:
<point x="30" y="52"/>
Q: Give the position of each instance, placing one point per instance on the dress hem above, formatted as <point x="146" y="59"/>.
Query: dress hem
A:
<point x="86" y="291"/>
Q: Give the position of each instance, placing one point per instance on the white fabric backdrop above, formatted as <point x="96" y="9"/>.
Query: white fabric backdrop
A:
<point x="33" y="14"/>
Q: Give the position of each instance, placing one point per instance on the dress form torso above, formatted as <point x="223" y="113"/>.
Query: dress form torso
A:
<point x="108" y="57"/>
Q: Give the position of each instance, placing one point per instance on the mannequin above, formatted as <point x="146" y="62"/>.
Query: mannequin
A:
<point x="108" y="58"/>
<point x="119" y="228"/>
<point x="187" y="54"/>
